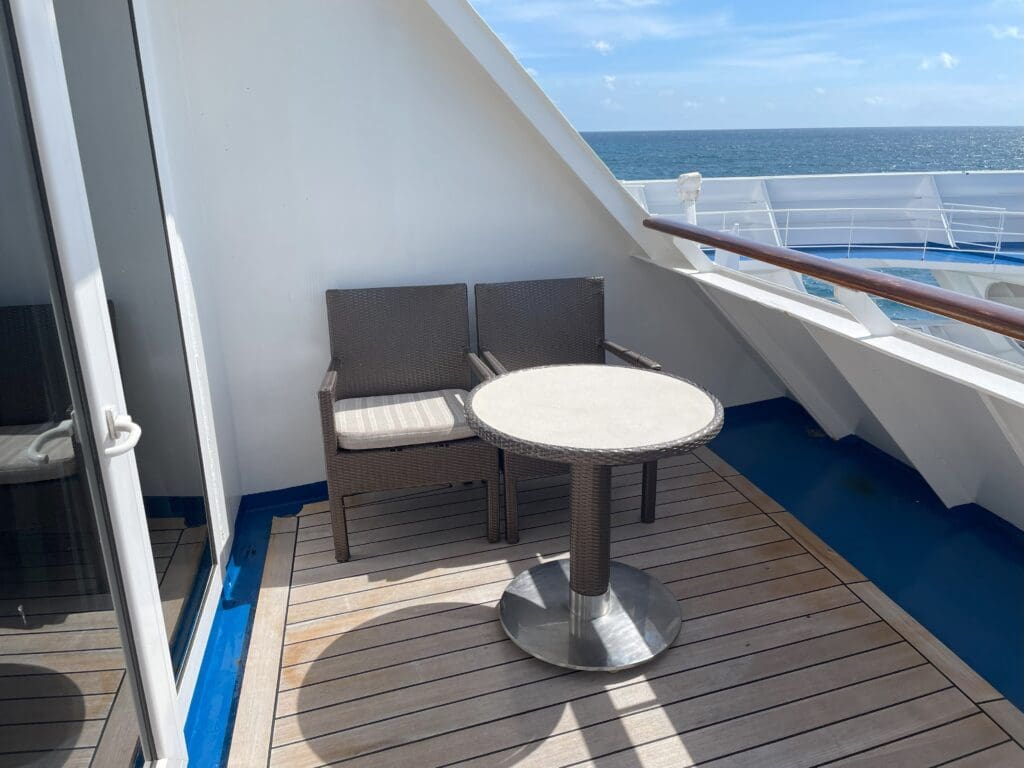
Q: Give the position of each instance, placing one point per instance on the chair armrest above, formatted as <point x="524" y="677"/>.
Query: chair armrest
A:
<point x="326" y="396"/>
<point x="494" y="362"/>
<point x="631" y="357"/>
<point x="481" y="370"/>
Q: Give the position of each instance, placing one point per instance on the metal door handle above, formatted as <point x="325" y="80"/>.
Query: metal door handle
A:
<point x="118" y="425"/>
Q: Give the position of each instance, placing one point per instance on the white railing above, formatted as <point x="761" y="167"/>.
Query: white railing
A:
<point x="952" y="228"/>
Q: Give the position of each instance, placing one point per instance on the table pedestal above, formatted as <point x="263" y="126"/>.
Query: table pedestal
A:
<point x="589" y="612"/>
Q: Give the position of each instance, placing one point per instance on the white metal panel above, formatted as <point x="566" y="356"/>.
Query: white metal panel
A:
<point x="796" y="359"/>
<point x="943" y="427"/>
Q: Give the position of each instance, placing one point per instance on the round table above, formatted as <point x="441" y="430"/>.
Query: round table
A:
<point x="589" y="612"/>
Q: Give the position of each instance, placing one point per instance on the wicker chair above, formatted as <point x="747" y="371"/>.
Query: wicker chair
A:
<point x="391" y="400"/>
<point x="547" y="322"/>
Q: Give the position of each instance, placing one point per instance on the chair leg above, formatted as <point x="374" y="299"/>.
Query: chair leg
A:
<point x="493" y="510"/>
<point x="339" y="525"/>
<point x="649" y="492"/>
<point x="511" y="510"/>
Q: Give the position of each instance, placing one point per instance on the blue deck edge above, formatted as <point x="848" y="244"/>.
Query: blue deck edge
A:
<point x="212" y="711"/>
<point x="958" y="571"/>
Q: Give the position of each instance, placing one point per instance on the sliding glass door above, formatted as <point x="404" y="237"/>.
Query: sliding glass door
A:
<point x="85" y="673"/>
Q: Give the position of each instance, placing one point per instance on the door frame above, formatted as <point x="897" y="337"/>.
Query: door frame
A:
<point x="221" y="508"/>
<point x="133" y="579"/>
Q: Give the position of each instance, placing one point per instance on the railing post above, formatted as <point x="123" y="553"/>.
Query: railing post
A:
<point x="849" y="239"/>
<point x="867" y="312"/>
<point x="999" y="235"/>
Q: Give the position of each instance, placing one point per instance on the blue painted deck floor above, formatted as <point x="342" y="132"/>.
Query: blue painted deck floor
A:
<point x="960" y="572"/>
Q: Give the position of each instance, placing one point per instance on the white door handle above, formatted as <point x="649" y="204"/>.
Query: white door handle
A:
<point x="117" y="425"/>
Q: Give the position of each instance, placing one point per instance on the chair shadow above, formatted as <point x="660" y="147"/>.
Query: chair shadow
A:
<point x="473" y="549"/>
<point x="47" y="701"/>
<point x="462" y="691"/>
<point x="414" y="675"/>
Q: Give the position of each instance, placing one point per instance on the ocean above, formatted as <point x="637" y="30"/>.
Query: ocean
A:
<point x="775" y="152"/>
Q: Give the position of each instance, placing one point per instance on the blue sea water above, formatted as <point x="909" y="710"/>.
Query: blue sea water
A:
<point x="776" y="152"/>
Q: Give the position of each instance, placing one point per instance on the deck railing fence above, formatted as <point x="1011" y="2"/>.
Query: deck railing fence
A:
<point x="982" y="313"/>
<point x="965" y="228"/>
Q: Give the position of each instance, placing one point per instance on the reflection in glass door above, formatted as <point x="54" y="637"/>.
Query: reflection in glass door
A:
<point x="110" y="123"/>
<point x="64" y="696"/>
<point x="80" y="683"/>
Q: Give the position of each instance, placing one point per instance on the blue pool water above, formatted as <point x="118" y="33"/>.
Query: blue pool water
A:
<point x="960" y="571"/>
<point x="900" y="313"/>
<point x="776" y="152"/>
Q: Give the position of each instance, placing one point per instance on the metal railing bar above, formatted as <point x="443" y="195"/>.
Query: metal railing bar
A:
<point x="972" y="310"/>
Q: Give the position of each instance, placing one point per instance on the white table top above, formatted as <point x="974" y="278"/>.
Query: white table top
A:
<point x="590" y="408"/>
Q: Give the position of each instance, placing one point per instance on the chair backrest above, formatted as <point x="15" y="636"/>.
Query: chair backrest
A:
<point x="33" y="381"/>
<point x="394" y="340"/>
<point x="541" y="322"/>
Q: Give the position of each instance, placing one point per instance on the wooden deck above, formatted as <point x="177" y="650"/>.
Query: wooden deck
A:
<point x="62" y="679"/>
<point x="787" y="655"/>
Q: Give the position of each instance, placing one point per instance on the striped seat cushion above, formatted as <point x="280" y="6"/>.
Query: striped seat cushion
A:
<point x="390" y="421"/>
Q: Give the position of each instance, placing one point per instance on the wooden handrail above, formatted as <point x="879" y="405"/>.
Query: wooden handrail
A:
<point x="983" y="313"/>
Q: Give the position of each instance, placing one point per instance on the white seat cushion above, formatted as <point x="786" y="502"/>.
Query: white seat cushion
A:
<point x="17" y="468"/>
<point x="390" y="421"/>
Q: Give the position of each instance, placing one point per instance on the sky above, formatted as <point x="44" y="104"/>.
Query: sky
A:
<point x="678" y="64"/>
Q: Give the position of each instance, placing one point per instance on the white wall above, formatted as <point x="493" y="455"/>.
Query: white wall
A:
<point x="110" y="122"/>
<point x="325" y="144"/>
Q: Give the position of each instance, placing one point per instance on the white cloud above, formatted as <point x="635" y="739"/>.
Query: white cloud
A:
<point x="1009" y="32"/>
<point x="820" y="91"/>
<point x="609" y="82"/>
<point x="611" y="104"/>
<point x="617" y="4"/>
<point x="532" y="72"/>
<point x="602" y="46"/>
<point x="944" y="61"/>
<point x="691" y="104"/>
<point x="607" y="22"/>
<point x="876" y="101"/>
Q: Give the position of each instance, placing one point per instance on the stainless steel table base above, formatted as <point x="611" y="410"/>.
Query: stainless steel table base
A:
<point x="636" y="619"/>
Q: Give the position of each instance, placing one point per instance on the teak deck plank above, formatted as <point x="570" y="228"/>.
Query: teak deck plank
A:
<point x="254" y="719"/>
<point x="76" y="646"/>
<point x="787" y="655"/>
<point x="957" y="739"/>
<point x="1007" y="755"/>
<point x="965" y="678"/>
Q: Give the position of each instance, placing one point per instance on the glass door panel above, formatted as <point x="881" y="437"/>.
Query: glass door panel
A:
<point x="85" y="677"/>
<point x="62" y="665"/>
<point x="110" y="122"/>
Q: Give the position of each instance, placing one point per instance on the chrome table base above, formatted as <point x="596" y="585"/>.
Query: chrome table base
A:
<point x="634" y="621"/>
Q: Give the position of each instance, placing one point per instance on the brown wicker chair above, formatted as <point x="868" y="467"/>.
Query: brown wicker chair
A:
<point x="548" y="322"/>
<point x="389" y="347"/>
